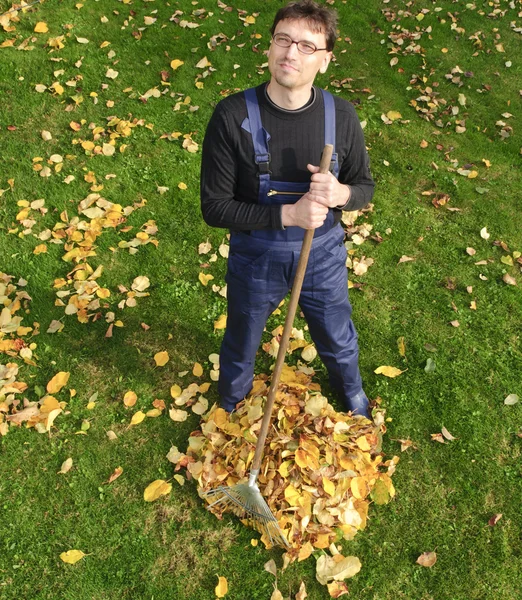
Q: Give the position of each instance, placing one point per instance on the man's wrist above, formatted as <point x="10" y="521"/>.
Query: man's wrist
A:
<point x="348" y="194"/>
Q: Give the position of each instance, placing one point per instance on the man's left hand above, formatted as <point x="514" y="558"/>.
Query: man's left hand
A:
<point x="326" y="190"/>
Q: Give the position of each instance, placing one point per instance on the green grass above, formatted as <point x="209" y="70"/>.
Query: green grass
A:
<point x="173" y="548"/>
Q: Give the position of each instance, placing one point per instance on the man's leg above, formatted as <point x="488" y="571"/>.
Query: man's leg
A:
<point x="325" y="304"/>
<point x="252" y="295"/>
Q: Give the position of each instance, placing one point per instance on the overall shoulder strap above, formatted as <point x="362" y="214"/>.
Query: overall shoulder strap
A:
<point x="329" y="128"/>
<point x="262" y="155"/>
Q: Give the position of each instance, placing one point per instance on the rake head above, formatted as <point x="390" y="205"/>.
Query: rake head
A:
<point x="246" y="502"/>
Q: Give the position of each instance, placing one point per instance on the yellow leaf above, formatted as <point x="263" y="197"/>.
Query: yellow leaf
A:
<point x="473" y="174"/>
<point x="197" y="371"/>
<point x="157" y="488"/>
<point x="204" y="278"/>
<point x="176" y="63"/>
<point x="40" y="249"/>
<point x="87" y="145"/>
<point x="130" y="398"/>
<point x="359" y="487"/>
<point x="363" y="443"/>
<point x="221" y="587"/>
<point x="57" y="382"/>
<point x="41" y="27"/>
<point x="328" y="486"/>
<point x="161" y="358"/>
<point x="175" y="391"/>
<point x="178" y="415"/>
<point x="153" y="412"/>
<point x="393" y="115"/>
<point x="388" y="371"/>
<point x="402" y="346"/>
<point x="182" y="186"/>
<point x="250" y="20"/>
<point x="221" y="323"/>
<point x="137" y="418"/>
<point x="72" y="556"/>
<point x="66" y="466"/>
<point x="200" y="85"/>
<point x="292" y="496"/>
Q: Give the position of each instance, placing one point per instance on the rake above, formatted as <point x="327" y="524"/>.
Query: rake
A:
<point x="245" y="499"/>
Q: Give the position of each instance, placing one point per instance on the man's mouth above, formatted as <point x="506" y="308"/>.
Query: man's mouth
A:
<point x="288" y="66"/>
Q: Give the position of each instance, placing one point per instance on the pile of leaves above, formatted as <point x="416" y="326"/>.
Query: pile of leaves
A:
<point x="320" y="470"/>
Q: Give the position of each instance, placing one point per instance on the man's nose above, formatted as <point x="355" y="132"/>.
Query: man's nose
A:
<point x="292" y="51"/>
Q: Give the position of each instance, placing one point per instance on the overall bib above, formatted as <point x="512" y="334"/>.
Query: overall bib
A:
<point x="261" y="269"/>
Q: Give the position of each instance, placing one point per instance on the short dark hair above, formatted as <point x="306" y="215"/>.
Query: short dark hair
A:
<point x="319" y="18"/>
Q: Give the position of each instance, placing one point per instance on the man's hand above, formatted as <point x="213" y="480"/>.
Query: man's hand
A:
<point x="326" y="190"/>
<point x="305" y="213"/>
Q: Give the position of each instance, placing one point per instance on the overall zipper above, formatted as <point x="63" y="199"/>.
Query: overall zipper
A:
<point x="275" y="193"/>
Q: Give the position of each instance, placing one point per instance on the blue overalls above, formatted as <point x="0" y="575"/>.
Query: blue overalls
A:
<point x="261" y="269"/>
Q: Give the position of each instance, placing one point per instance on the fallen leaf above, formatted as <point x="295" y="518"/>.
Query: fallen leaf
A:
<point x="494" y="519"/>
<point x="66" y="466"/>
<point x="511" y="399"/>
<point x="405" y="258"/>
<point x="204" y="278"/>
<point x="197" y="371"/>
<point x="455" y="323"/>
<point x="301" y="594"/>
<point x="41" y="27"/>
<point x="58" y="382"/>
<point x="388" y="371"/>
<point x="508" y="279"/>
<point x="484" y="233"/>
<point x="330" y="568"/>
<point x="222" y="587"/>
<point x="270" y="566"/>
<point x="221" y="323"/>
<point x="157" y="488"/>
<point x="447" y="434"/>
<point x="161" y="358"/>
<point x="336" y="589"/>
<point x="130" y="398"/>
<point x="137" y="418"/>
<point x="427" y="559"/>
<point x="72" y="556"/>
<point x="176" y="63"/>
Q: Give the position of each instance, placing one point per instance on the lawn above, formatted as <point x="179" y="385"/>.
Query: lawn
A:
<point x="95" y="103"/>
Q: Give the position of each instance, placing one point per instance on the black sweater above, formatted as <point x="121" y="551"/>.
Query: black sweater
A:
<point x="229" y="182"/>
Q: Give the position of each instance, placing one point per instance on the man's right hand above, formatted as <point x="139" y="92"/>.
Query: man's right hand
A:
<point x="305" y="213"/>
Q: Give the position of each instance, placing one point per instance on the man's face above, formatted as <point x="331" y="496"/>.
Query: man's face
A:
<point x="290" y="68"/>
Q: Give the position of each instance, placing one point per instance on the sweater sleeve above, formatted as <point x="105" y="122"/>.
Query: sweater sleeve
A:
<point x="220" y="165"/>
<point x="355" y="169"/>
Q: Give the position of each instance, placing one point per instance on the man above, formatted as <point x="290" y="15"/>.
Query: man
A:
<point x="260" y="179"/>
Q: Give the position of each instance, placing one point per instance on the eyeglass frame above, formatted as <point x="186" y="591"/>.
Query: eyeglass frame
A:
<point x="296" y="43"/>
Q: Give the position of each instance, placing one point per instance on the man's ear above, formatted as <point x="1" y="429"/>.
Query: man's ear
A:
<point x="326" y="62"/>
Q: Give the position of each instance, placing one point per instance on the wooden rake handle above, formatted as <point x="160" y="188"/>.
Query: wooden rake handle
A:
<point x="324" y="167"/>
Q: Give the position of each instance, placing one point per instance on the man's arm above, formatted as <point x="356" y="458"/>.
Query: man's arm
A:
<point x="220" y="166"/>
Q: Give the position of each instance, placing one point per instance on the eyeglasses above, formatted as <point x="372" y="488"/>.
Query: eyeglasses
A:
<point x="285" y="41"/>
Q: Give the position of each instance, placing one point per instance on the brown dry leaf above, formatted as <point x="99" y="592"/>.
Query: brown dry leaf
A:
<point x="494" y="519"/>
<point x="471" y="251"/>
<point x="507" y="278"/>
<point x="276" y="595"/>
<point x="115" y="474"/>
<point x="437" y="437"/>
<point x="455" y="323"/>
<point x="388" y="371"/>
<point x="58" y="382"/>
<point x="427" y="559"/>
